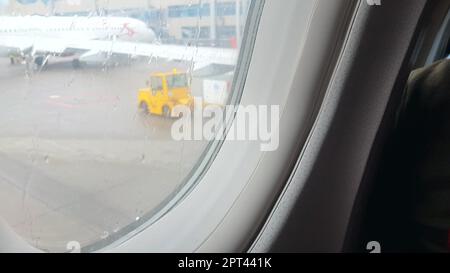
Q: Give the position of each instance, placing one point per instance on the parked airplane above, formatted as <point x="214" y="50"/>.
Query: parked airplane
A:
<point x="362" y="94"/>
<point x="95" y="39"/>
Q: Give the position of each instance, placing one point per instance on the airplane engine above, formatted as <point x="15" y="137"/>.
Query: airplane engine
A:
<point x="40" y="60"/>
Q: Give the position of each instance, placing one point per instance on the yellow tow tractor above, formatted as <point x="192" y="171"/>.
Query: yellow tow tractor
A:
<point x="164" y="92"/>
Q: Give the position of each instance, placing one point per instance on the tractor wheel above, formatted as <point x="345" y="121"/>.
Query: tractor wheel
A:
<point x="143" y="106"/>
<point x="166" y="111"/>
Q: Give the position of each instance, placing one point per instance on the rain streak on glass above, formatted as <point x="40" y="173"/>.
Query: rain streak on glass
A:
<point x="88" y="86"/>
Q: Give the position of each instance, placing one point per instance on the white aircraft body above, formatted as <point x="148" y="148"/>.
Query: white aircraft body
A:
<point x="96" y="39"/>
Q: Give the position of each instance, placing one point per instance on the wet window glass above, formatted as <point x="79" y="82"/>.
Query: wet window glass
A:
<point x="86" y="151"/>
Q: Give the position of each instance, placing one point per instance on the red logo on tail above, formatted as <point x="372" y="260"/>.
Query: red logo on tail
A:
<point x="129" y="30"/>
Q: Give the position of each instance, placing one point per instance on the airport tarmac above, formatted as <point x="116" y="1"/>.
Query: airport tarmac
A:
<point x="78" y="162"/>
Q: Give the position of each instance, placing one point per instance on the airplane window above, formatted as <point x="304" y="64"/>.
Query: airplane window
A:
<point x="79" y="161"/>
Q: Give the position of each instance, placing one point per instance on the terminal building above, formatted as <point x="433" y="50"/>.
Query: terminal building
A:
<point x="205" y="22"/>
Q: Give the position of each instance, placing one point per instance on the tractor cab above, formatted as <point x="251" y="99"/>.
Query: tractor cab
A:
<point x="164" y="92"/>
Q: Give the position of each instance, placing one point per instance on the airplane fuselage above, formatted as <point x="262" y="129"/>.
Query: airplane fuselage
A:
<point x="74" y="29"/>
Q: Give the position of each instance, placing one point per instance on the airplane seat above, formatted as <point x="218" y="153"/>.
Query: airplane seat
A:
<point x="448" y="50"/>
<point x="410" y="207"/>
<point x="426" y="122"/>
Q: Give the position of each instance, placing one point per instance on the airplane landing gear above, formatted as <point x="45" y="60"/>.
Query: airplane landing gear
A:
<point x="76" y="63"/>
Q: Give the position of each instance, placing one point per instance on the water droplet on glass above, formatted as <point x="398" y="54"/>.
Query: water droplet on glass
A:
<point x="105" y="235"/>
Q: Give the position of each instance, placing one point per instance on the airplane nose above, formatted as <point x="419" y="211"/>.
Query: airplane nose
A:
<point x="150" y="35"/>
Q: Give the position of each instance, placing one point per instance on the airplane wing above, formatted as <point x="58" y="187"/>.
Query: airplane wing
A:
<point x="200" y="56"/>
<point x="23" y="44"/>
